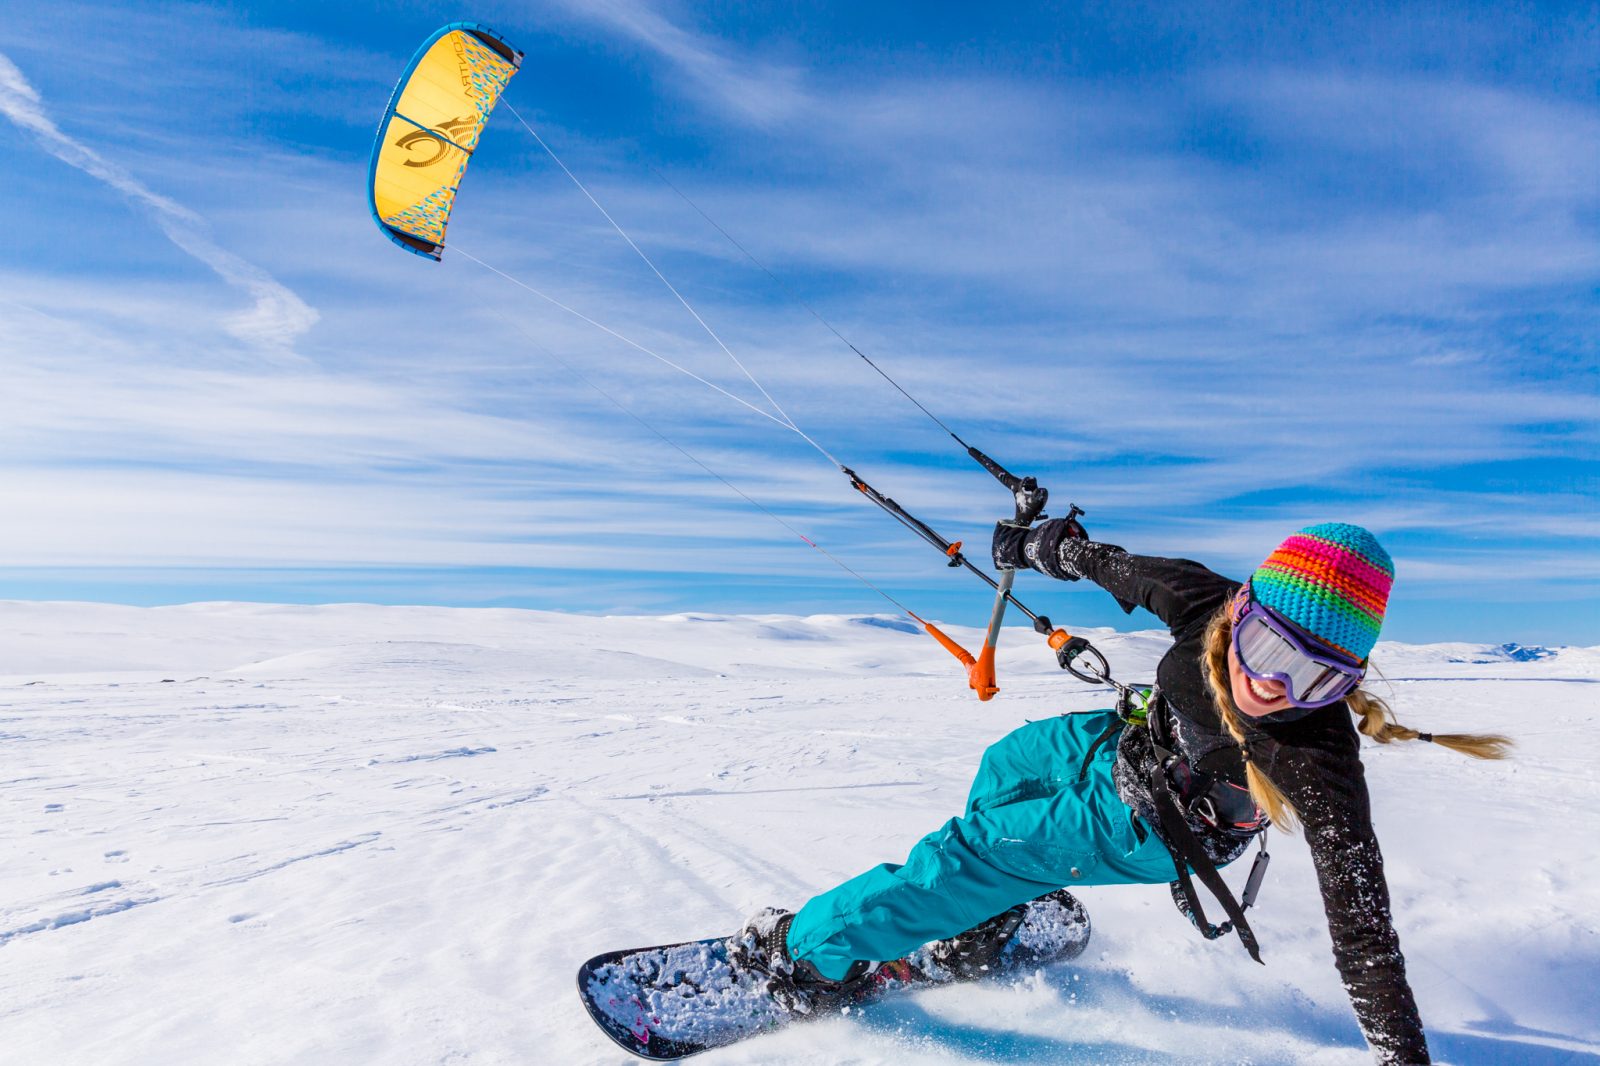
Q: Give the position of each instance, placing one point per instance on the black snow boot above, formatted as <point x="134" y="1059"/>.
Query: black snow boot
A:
<point x="970" y="955"/>
<point x="762" y="946"/>
<point x="1016" y="937"/>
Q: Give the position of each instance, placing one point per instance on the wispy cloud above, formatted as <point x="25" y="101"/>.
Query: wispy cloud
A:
<point x="277" y="316"/>
<point x="752" y="89"/>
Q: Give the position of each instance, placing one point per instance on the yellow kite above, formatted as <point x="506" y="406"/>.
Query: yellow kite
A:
<point x="431" y="129"/>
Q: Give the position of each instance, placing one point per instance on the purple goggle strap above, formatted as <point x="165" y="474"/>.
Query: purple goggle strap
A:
<point x="1245" y="608"/>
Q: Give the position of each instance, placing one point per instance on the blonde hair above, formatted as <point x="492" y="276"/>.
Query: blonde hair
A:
<point x="1376" y="721"/>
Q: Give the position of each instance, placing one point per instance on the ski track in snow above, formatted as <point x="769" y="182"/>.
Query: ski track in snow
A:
<point x="349" y="834"/>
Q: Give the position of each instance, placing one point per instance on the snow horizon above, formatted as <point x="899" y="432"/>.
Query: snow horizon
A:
<point x="1013" y="634"/>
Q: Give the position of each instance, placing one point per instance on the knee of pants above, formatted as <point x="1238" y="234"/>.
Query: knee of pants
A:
<point x="939" y="857"/>
<point x="1030" y="762"/>
<point x="1016" y="844"/>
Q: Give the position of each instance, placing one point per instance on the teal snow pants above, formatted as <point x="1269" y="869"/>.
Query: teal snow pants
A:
<point x="1031" y="827"/>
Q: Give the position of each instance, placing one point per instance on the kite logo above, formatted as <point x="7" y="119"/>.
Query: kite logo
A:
<point x="464" y="66"/>
<point x="440" y="138"/>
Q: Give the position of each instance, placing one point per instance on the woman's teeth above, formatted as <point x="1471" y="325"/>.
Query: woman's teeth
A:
<point x="1263" y="694"/>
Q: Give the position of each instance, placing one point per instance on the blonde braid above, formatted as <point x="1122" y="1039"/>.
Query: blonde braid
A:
<point x="1376" y="721"/>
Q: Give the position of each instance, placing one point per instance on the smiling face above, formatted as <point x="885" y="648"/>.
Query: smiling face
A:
<point x="1254" y="698"/>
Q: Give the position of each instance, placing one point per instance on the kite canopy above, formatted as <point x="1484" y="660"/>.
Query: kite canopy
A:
<point x="431" y="128"/>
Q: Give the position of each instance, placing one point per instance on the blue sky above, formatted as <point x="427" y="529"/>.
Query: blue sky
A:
<point x="1213" y="274"/>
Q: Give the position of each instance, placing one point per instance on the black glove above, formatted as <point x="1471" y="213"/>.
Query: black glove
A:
<point x="1007" y="546"/>
<point x="1030" y="498"/>
<point x="1016" y="547"/>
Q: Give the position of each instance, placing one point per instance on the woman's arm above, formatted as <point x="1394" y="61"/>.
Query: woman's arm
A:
<point x="1317" y="763"/>
<point x="1181" y="592"/>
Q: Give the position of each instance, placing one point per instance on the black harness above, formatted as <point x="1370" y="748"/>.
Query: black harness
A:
<point x="1207" y="797"/>
<point x="1187" y="851"/>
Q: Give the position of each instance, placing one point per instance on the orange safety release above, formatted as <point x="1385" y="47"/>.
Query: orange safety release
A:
<point x="980" y="671"/>
<point x="980" y="675"/>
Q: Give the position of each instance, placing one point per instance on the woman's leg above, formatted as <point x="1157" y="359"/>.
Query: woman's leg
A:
<point x="1031" y="827"/>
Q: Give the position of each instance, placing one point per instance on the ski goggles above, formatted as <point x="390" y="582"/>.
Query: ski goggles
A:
<point x="1269" y="649"/>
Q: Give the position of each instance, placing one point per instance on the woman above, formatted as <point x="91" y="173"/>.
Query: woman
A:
<point x="1252" y="721"/>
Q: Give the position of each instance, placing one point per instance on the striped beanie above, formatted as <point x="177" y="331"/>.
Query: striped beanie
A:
<point x="1332" y="580"/>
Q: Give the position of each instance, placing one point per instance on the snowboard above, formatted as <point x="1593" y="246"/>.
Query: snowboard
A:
<point x="675" y="1000"/>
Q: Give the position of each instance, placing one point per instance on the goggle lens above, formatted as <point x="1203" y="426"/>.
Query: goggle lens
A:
<point x="1266" y="654"/>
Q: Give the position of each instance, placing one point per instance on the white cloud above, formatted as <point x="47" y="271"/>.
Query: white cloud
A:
<point x="750" y="89"/>
<point x="276" y="318"/>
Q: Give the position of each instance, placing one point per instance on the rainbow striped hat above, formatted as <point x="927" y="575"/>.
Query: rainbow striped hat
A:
<point x="1333" y="581"/>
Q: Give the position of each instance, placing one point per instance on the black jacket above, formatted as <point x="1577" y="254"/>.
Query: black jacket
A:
<point x="1315" y="760"/>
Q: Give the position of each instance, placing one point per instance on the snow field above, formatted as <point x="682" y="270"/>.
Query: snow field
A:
<point x="350" y="834"/>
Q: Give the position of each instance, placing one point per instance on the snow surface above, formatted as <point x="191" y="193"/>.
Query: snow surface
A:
<point x="349" y="834"/>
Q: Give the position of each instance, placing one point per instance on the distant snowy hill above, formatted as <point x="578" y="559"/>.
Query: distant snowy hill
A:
<point x="247" y="834"/>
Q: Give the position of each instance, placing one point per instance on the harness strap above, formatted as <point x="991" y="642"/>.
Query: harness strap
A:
<point x="1186" y="852"/>
<point x="1106" y="734"/>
